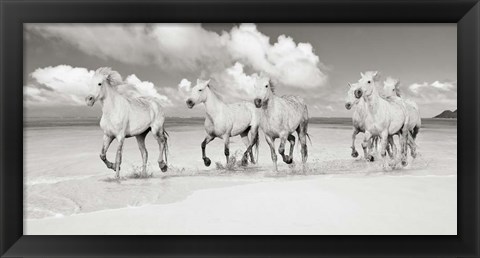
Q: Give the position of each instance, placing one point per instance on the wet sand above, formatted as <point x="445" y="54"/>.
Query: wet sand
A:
<point x="69" y="190"/>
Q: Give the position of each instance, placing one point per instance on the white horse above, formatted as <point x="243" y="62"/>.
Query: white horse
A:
<point x="392" y="90"/>
<point x="281" y="117"/>
<point x="226" y="120"/>
<point x="384" y="117"/>
<point x="358" y="120"/>
<point x="126" y="113"/>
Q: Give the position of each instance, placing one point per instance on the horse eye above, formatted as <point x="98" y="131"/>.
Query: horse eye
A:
<point x="99" y="84"/>
<point x="368" y="81"/>
<point x="200" y="90"/>
<point x="266" y="86"/>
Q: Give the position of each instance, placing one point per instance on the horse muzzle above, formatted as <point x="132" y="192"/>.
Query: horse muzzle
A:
<point x="190" y="103"/>
<point x="358" y="93"/>
<point x="348" y="106"/>
<point x="90" y="100"/>
<point x="258" y="103"/>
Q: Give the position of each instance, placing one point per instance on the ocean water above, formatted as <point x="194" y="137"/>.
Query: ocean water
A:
<point x="63" y="174"/>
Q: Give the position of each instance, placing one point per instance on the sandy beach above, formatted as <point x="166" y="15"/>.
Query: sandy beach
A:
<point x="68" y="190"/>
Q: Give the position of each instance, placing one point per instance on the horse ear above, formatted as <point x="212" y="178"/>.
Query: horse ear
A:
<point x="349" y="85"/>
<point x="361" y="74"/>
<point x="207" y="82"/>
<point x="375" y="75"/>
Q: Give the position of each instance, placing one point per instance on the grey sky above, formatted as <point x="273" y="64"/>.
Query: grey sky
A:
<point x="417" y="54"/>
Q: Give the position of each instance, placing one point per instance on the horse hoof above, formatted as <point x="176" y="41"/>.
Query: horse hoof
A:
<point x="404" y="163"/>
<point x="163" y="166"/>
<point x="111" y="166"/>
<point x="370" y="158"/>
<point x="289" y="160"/>
<point x="244" y="162"/>
<point x="164" y="169"/>
<point x="354" y="154"/>
<point x="207" y="162"/>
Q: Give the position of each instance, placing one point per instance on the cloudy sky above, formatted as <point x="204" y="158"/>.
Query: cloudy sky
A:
<point x="314" y="61"/>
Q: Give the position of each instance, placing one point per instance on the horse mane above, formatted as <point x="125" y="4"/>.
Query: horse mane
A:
<point x="113" y="77"/>
<point x="272" y="86"/>
<point x="132" y="94"/>
<point x="397" y="89"/>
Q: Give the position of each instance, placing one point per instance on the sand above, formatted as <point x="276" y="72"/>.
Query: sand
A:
<point x="68" y="190"/>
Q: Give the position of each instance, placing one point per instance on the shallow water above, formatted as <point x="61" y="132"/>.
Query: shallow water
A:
<point x="64" y="175"/>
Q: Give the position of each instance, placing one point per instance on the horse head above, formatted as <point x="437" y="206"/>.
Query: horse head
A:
<point x="264" y="90"/>
<point x="351" y="99"/>
<point x="391" y="87"/>
<point x="198" y="93"/>
<point x="366" y="84"/>
<point x="102" y="78"/>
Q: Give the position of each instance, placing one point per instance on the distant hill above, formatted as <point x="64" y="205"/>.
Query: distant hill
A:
<point x="447" y="114"/>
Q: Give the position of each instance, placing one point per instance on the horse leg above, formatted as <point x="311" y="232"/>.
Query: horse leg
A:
<point x="226" y="149"/>
<point x="161" y="138"/>
<point x="118" y="159"/>
<point x="404" y="146"/>
<point x="271" y="143"/>
<point x="391" y="147"/>
<point x="207" y="139"/>
<point x="412" y="145"/>
<point x="291" y="140"/>
<point x="387" y="148"/>
<point x="107" y="140"/>
<point x="143" y="150"/>
<point x="246" y="141"/>
<point x="383" y="143"/>
<point x="250" y="139"/>
<point x="365" y="145"/>
<point x="253" y="136"/>
<point x="281" y="149"/>
<point x="354" y="136"/>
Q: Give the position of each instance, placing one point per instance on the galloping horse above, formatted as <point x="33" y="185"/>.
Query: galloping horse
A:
<point x="384" y="117"/>
<point x="358" y="119"/>
<point x="226" y="120"/>
<point x="126" y="113"/>
<point x="392" y="90"/>
<point x="281" y="116"/>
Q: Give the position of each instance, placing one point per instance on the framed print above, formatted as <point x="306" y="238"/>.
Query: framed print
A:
<point x="215" y="128"/>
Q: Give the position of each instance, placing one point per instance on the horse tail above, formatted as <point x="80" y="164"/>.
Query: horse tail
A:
<point x="309" y="139"/>
<point x="165" y="146"/>
<point x="415" y="131"/>
<point x="307" y="134"/>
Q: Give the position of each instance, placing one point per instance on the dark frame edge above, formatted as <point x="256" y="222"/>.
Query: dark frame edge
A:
<point x="14" y="244"/>
<point x="469" y="55"/>
<point x="11" y="233"/>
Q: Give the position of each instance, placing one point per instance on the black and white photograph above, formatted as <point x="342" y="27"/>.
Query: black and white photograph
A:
<point x="240" y="129"/>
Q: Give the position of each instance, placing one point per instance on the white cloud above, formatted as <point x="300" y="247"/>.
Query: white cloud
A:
<point x="147" y="88"/>
<point x="60" y="84"/>
<point x="437" y="92"/>
<point x="185" y="85"/>
<point x="233" y="83"/>
<point x="182" y="92"/>
<point x="67" y="85"/>
<point x="190" y="47"/>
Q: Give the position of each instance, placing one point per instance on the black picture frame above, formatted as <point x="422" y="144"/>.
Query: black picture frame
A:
<point x="466" y="13"/>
